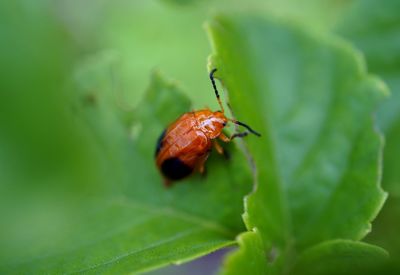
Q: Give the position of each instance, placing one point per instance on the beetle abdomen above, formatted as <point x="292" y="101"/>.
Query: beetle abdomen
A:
<point x="175" y="169"/>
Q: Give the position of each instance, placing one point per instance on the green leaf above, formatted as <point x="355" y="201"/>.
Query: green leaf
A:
<point x="318" y="161"/>
<point x="374" y="28"/>
<point x="250" y="257"/>
<point x="331" y="257"/>
<point x="181" y="2"/>
<point x="340" y="257"/>
<point x="132" y="223"/>
<point x="386" y="228"/>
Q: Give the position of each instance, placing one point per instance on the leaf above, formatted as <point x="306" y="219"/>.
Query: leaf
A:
<point x="250" y="257"/>
<point x="340" y="257"/>
<point x="132" y="223"/>
<point x="331" y="257"/>
<point x="386" y="228"/>
<point x="374" y="28"/>
<point x="318" y="161"/>
<point x="181" y="2"/>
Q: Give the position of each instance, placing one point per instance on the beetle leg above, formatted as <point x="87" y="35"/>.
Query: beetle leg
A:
<point x="201" y="165"/>
<point x="239" y="135"/>
<point x="218" y="147"/>
<point x="201" y="168"/>
<point x="203" y="172"/>
<point x="221" y="150"/>
<point x="224" y="138"/>
<point x="235" y="135"/>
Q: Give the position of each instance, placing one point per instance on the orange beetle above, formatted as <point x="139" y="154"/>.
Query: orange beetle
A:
<point x="185" y="145"/>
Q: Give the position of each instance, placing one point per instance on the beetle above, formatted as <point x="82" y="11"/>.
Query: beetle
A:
<point x="185" y="145"/>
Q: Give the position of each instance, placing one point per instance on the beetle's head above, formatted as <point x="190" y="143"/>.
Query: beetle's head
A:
<point x="220" y="118"/>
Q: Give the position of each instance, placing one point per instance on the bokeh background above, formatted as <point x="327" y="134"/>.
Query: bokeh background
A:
<point x="47" y="158"/>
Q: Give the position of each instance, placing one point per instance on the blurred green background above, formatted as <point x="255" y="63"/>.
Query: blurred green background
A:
<point x="48" y="164"/>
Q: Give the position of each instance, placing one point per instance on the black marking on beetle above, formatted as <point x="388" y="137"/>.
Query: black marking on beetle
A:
<point x="175" y="169"/>
<point x="160" y="142"/>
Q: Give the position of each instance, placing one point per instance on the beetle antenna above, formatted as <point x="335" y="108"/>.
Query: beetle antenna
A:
<point x="222" y="107"/>
<point x="215" y="89"/>
<point x="246" y="126"/>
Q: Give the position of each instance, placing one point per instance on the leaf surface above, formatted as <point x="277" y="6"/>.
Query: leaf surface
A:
<point x="250" y="257"/>
<point x="341" y="257"/>
<point x="318" y="161"/>
<point x="132" y="223"/>
<point x="374" y="28"/>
